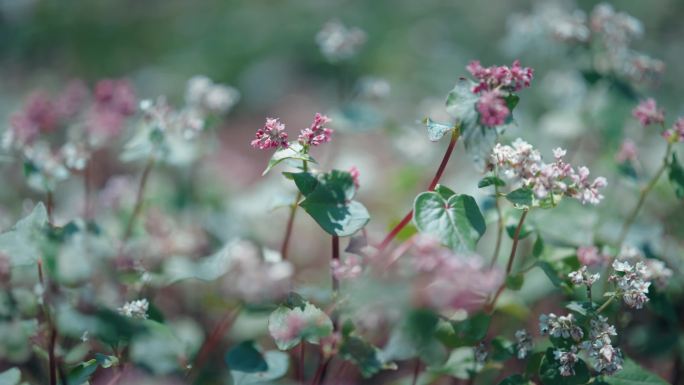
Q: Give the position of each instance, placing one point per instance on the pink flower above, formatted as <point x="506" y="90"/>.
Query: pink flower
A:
<point x="590" y="255"/>
<point x="72" y="100"/>
<point x="272" y="135"/>
<point x="514" y="78"/>
<point x="349" y="269"/>
<point x="647" y="113"/>
<point x="676" y="133"/>
<point x="37" y="116"/>
<point x="586" y="191"/>
<point x="628" y="152"/>
<point x="316" y="133"/>
<point x="354" y="172"/>
<point x="117" y="95"/>
<point x="492" y="108"/>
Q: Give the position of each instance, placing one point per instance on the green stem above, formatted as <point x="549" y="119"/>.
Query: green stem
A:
<point x="642" y="197"/>
<point x="605" y="304"/>
<point x="500" y="226"/>
<point x="139" y="198"/>
<point x="290" y="220"/>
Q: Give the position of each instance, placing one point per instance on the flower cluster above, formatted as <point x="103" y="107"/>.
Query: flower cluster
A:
<point x="583" y="277"/>
<point x="493" y="85"/>
<point x="337" y="42"/>
<point x="628" y="152"/>
<point x="522" y="162"/>
<point x="560" y="326"/>
<point x="567" y="360"/>
<point x="647" y="112"/>
<point x="316" y="134"/>
<point x="523" y="343"/>
<point x="135" y="309"/>
<point x="676" y="133"/>
<point x="632" y="282"/>
<point x="475" y="283"/>
<point x="590" y="256"/>
<point x="273" y="134"/>
<point x="202" y="93"/>
<point x="654" y="270"/>
<point x="608" y="359"/>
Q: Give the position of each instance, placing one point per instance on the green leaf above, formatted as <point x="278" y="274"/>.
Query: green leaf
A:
<point x="633" y="374"/>
<point x="676" y="176"/>
<point x="277" y="364"/>
<point x="21" y="242"/>
<point x="456" y="222"/>
<point x="491" y="180"/>
<point x="524" y="231"/>
<point x="502" y="349"/>
<point x="437" y="130"/>
<point x="364" y="355"/>
<point x="538" y="247"/>
<point x="460" y="364"/>
<point x="463" y="333"/>
<point x="10" y="376"/>
<point x="244" y="357"/>
<point x="549" y="371"/>
<point x="315" y="325"/>
<point x="305" y="181"/>
<point x="511" y="101"/>
<point x="330" y="203"/>
<point x="520" y="197"/>
<point x="515" y="379"/>
<point x="515" y="281"/>
<point x="295" y="152"/>
<point x="550" y="272"/>
<point x="444" y="191"/>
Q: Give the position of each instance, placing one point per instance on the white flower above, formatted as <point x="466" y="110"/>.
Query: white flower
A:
<point x="135" y="309"/>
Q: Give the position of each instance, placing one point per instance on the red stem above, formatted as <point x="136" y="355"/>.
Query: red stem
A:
<point x="438" y="175"/>
<point x="335" y="257"/>
<point x="50" y="205"/>
<point x="213" y="340"/>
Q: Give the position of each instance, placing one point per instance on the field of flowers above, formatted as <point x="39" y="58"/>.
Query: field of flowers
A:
<point x="336" y="192"/>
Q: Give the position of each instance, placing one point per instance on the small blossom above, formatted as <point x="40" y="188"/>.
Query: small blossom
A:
<point x="272" y="135"/>
<point x="560" y="326"/>
<point x="567" y="360"/>
<point x="590" y="255"/>
<point x="676" y="133"/>
<point x="316" y="134"/>
<point x="628" y="152"/>
<point x="631" y="282"/>
<point x="37" y="116"/>
<point x="349" y="269"/>
<point x="481" y="353"/>
<point x="337" y="42"/>
<point x="492" y="108"/>
<point x="523" y="344"/>
<point x="608" y="359"/>
<point x="647" y="113"/>
<point x="582" y="277"/>
<point x="355" y="174"/>
<point x="135" y="309"/>
<point x="514" y="78"/>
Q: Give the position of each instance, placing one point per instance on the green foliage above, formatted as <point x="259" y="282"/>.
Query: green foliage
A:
<point x="515" y="281"/>
<point x="21" y="242"/>
<point x="277" y="364"/>
<point x="415" y="337"/>
<point x="457" y="222"/>
<point x="502" y="349"/>
<point x="81" y="373"/>
<point x="676" y="176"/>
<point x="329" y="201"/>
<point x="244" y="357"/>
<point x="491" y="180"/>
<point x="515" y="379"/>
<point x="10" y="376"/>
<point x="364" y="355"/>
<point x="464" y="333"/>
<point x="538" y="247"/>
<point x="633" y="374"/>
<point x="521" y="197"/>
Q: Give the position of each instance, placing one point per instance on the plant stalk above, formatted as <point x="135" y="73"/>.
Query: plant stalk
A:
<point x="290" y="220"/>
<point x="137" y="208"/>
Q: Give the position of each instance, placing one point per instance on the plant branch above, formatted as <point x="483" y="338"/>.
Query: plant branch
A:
<point x="137" y="208"/>
<point x="290" y="220"/>
<point x="500" y="226"/>
<point x="212" y="340"/>
<point x="455" y="134"/>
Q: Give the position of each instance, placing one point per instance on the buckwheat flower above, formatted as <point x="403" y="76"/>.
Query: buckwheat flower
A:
<point x="608" y="359"/>
<point x="316" y="134"/>
<point x="135" y="309"/>
<point x="628" y="152"/>
<point x="631" y="282"/>
<point x="590" y="255"/>
<point x="116" y="95"/>
<point x="582" y="277"/>
<point x="514" y="78"/>
<point x="567" y="360"/>
<point x="560" y="326"/>
<point x="75" y="155"/>
<point x="647" y="113"/>
<point x="492" y="108"/>
<point x="657" y="272"/>
<point x="37" y="116"/>
<point x="337" y="42"/>
<point x="523" y="343"/>
<point x="272" y="135"/>
<point x="676" y="133"/>
<point x="72" y="99"/>
<point x="585" y="190"/>
<point x="348" y="269"/>
<point x="355" y="174"/>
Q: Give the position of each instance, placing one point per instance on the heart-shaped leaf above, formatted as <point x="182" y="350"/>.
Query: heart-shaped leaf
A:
<point x="437" y="130"/>
<point x="277" y="363"/>
<point x="330" y="202"/>
<point x="245" y="357"/>
<point x="289" y="326"/>
<point x="633" y="374"/>
<point x="457" y="222"/>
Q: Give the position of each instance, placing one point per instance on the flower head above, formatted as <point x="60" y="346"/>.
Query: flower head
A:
<point x="676" y="133"/>
<point x="647" y="113"/>
<point x="338" y="42"/>
<point x="582" y="277"/>
<point x="590" y="255"/>
<point x="316" y="134"/>
<point x="567" y="360"/>
<point x="560" y="326"/>
<point x="492" y="108"/>
<point x="512" y="78"/>
<point x="135" y="309"/>
<point x="348" y="269"/>
<point x="632" y="282"/>
<point x="272" y="135"/>
<point x="523" y="343"/>
<point x="628" y="152"/>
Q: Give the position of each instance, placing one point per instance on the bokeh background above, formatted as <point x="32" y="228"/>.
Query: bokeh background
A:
<point x="414" y="53"/>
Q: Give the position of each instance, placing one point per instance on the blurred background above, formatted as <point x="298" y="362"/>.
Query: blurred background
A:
<point x="409" y="55"/>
